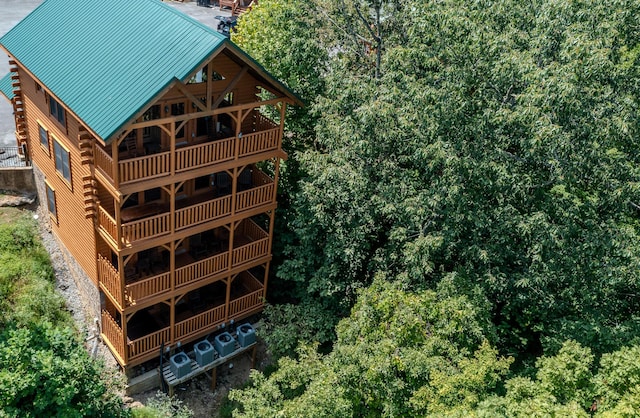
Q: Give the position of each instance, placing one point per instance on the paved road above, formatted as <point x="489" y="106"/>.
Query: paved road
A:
<point x="12" y="11"/>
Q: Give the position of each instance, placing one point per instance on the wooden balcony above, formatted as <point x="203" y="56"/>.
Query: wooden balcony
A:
<point x="250" y="243"/>
<point x="109" y="281"/>
<point x="252" y="299"/>
<point x="247" y="298"/>
<point x="261" y="192"/>
<point x="186" y="158"/>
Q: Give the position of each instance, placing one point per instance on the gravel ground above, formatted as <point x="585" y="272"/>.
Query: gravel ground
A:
<point x="66" y="285"/>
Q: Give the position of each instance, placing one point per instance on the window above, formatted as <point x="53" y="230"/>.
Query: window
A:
<point x="176" y="110"/>
<point x="56" y="110"/>
<point x="44" y="138"/>
<point x="62" y="161"/>
<point x="51" y="201"/>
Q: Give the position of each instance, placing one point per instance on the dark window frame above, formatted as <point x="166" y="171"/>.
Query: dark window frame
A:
<point x="62" y="160"/>
<point x="51" y="201"/>
<point x="43" y="133"/>
<point x="57" y="111"/>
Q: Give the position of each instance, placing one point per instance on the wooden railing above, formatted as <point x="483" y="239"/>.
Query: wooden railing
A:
<point x="153" y="226"/>
<point x="109" y="279"/>
<point x="255" y="142"/>
<point x="255" y="249"/>
<point x="155" y="285"/>
<point x="202" y="269"/>
<point x="246" y="303"/>
<point x="191" y="157"/>
<point x="254" y="197"/>
<point x="103" y="161"/>
<point x="263" y="123"/>
<point x="112" y="332"/>
<point x="143" y="168"/>
<point x="196" y="214"/>
<point x="148" y="343"/>
<point x="107" y="223"/>
<point x="251" y="229"/>
<point x="145" y="288"/>
<point x="201" y="155"/>
<point x="199" y="323"/>
<point x="250" y="251"/>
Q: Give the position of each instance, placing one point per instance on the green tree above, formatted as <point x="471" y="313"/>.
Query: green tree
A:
<point x="398" y="354"/>
<point x="45" y="369"/>
<point x="497" y="144"/>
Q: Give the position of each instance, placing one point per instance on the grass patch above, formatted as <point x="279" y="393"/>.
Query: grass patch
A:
<point x="44" y="367"/>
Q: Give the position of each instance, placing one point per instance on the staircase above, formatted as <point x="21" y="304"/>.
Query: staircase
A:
<point x="18" y="108"/>
<point x="89" y="184"/>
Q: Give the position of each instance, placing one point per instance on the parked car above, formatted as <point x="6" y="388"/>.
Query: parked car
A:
<point x="227" y="24"/>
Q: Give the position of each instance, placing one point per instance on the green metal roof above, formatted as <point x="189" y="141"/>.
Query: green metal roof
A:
<point x="5" y="86"/>
<point x="107" y="60"/>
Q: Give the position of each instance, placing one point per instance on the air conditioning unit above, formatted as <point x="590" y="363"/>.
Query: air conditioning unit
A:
<point x="204" y="352"/>
<point x="180" y="365"/>
<point x="246" y="335"/>
<point x="225" y="344"/>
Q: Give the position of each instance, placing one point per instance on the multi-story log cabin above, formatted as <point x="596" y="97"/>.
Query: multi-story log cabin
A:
<point x="156" y="143"/>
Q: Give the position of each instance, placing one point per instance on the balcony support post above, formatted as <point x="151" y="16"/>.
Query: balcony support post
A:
<point x="283" y="110"/>
<point x="234" y="190"/>
<point x="121" y="276"/>
<point x="124" y="319"/>
<point x="172" y="321"/>
<point x="266" y="279"/>
<point x="236" y="140"/>
<point x="276" y="177"/>
<point x="172" y="205"/>
<point x="172" y="265"/>
<point x="115" y="162"/>
<point x="232" y="230"/>
<point x="227" y="299"/>
<point x="272" y="217"/>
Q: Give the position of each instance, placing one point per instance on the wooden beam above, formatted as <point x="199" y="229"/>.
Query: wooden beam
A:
<point x="190" y="96"/>
<point x="230" y="87"/>
<point x="188" y="116"/>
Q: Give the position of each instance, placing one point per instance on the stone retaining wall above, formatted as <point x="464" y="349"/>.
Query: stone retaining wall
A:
<point x="17" y="179"/>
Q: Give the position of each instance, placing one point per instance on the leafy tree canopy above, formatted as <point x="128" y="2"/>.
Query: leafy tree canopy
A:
<point x="44" y="367"/>
<point x="494" y="140"/>
<point x="398" y="354"/>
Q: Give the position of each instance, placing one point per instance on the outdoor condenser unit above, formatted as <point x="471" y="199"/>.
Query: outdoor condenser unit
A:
<point x="225" y="344"/>
<point x="204" y="353"/>
<point x="246" y="335"/>
<point x="180" y="365"/>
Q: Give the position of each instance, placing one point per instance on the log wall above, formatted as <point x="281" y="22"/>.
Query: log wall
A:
<point x="71" y="226"/>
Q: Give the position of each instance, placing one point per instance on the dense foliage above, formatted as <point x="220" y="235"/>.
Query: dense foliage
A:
<point x="424" y="354"/>
<point x="483" y="147"/>
<point x="496" y="143"/>
<point x="44" y="367"/>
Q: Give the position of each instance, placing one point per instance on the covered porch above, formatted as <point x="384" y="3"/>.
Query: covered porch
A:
<point x="184" y="319"/>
